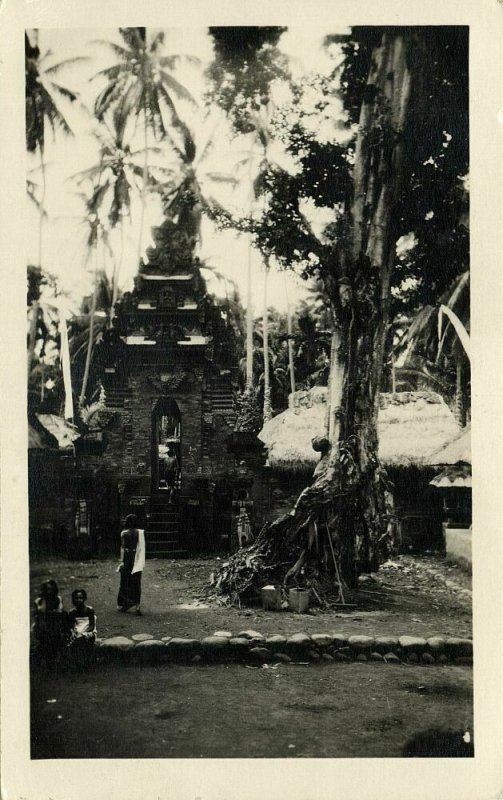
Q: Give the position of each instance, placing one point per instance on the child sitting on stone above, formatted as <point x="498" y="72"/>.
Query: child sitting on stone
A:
<point x="82" y="623"/>
<point x="50" y="627"/>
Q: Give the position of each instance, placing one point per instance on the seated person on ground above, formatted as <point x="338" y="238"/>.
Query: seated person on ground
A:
<point x="82" y="623"/>
<point x="50" y="626"/>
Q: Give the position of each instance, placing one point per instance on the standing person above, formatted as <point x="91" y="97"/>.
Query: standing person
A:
<point x="131" y="565"/>
<point x="82" y="623"/>
<point x="171" y="469"/>
<point x="50" y="626"/>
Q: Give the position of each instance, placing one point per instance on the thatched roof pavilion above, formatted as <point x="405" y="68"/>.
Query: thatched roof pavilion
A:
<point x="457" y="451"/>
<point x="456" y="457"/>
<point x="412" y="426"/>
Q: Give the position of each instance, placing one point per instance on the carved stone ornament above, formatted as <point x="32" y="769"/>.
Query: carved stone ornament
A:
<point x="167" y="381"/>
<point x="167" y="298"/>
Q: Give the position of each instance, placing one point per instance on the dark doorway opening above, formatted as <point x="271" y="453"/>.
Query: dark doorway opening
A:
<point x="166" y="448"/>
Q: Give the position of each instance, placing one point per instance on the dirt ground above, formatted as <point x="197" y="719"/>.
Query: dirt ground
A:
<point x="231" y="711"/>
<point x="272" y="711"/>
<point x="421" y="596"/>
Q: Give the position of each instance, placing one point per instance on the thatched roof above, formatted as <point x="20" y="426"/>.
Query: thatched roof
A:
<point x="411" y="426"/>
<point x="457" y="451"/>
<point x="454" y="477"/>
<point x="58" y="427"/>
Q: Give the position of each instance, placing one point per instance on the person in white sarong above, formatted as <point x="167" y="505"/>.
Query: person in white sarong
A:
<point x="131" y="566"/>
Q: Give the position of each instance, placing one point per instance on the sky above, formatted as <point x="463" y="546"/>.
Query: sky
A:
<point x="64" y="253"/>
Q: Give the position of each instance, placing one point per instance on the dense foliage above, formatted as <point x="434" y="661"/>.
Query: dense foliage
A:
<point x="247" y="60"/>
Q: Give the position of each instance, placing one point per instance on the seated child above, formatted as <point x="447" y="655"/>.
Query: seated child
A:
<point x="50" y="626"/>
<point x="82" y="624"/>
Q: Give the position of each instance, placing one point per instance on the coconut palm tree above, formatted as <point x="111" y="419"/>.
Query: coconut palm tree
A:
<point x="119" y="171"/>
<point x="42" y="96"/>
<point x="95" y="235"/>
<point x="267" y="412"/>
<point x="141" y="85"/>
<point x="187" y="186"/>
<point x="257" y="160"/>
<point x="291" y="360"/>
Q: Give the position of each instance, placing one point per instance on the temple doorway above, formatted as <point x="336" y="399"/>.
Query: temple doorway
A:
<point x="166" y="448"/>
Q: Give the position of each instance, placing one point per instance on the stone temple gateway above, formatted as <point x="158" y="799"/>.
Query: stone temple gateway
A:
<point x="164" y="446"/>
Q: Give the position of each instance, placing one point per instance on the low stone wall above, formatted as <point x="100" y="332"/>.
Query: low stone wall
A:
<point x="252" y="646"/>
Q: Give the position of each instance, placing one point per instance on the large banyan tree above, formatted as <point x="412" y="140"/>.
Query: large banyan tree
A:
<point x="396" y="179"/>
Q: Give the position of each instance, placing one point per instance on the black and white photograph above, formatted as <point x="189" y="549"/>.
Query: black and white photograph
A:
<point x="248" y="396"/>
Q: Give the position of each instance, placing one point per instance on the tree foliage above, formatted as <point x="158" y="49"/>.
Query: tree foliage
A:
<point x="43" y="93"/>
<point x="247" y="60"/>
<point x="387" y="186"/>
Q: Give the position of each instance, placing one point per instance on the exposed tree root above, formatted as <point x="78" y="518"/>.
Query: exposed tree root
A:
<point x="323" y="543"/>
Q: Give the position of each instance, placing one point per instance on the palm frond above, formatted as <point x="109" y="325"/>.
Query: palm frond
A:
<point x="170" y="62"/>
<point x="221" y="177"/>
<point x="133" y="38"/>
<point x="180" y="91"/>
<point x="68" y="62"/>
<point x="426" y="377"/>
<point x="112" y="73"/>
<point x="31" y="192"/>
<point x="116" y="48"/>
<point x="458" y="327"/>
<point x="157" y="41"/>
<point x="64" y="92"/>
<point x="91" y="173"/>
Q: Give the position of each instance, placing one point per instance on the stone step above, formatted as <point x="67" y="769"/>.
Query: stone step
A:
<point x="160" y="516"/>
<point x="162" y="524"/>
<point x="162" y="544"/>
<point x="166" y="553"/>
<point x="161" y="534"/>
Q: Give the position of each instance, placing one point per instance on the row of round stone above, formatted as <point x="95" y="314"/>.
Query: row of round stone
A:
<point x="253" y="645"/>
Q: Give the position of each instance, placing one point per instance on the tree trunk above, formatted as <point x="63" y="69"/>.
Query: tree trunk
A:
<point x="116" y="273"/>
<point x="32" y="335"/>
<point x="291" y="365"/>
<point x="90" y="340"/>
<point x="267" y="413"/>
<point x="347" y="507"/>
<point x="143" y="187"/>
<point x="335" y="386"/>
<point x="249" y="298"/>
<point x="461" y="403"/>
<point x="249" y="322"/>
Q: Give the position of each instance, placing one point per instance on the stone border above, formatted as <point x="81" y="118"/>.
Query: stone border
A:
<point x="252" y="647"/>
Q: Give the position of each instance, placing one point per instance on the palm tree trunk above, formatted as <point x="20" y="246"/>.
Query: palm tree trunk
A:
<point x="35" y="305"/>
<point x="91" y="331"/>
<point x="116" y="273"/>
<point x="461" y="404"/>
<point x="42" y="208"/>
<point x="144" y="186"/>
<point x="249" y="321"/>
<point x="291" y="365"/>
<point x="267" y="414"/>
<point x="249" y="305"/>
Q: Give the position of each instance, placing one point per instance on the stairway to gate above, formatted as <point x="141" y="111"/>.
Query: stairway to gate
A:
<point x="222" y="395"/>
<point x="162" y="530"/>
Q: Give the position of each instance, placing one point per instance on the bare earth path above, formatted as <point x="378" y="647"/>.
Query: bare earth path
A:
<point x="421" y="596"/>
<point x="230" y="711"/>
<point x="272" y="711"/>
